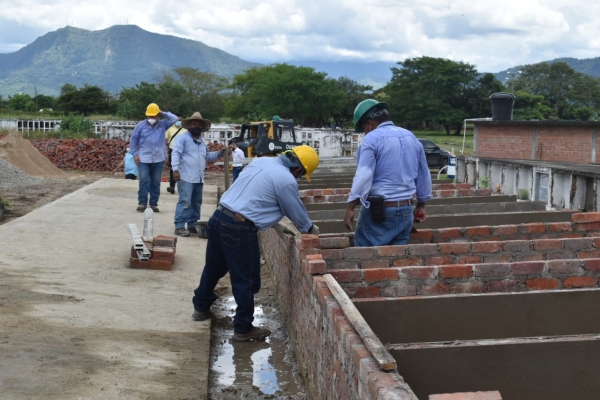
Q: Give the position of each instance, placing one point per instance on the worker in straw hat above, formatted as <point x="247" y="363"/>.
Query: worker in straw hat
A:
<point x="188" y="162"/>
<point x="265" y="191"/>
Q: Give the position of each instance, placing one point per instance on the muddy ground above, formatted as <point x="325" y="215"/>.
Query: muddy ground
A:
<point x="253" y="370"/>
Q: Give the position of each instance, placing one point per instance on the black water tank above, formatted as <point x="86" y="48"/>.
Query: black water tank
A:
<point x="502" y="106"/>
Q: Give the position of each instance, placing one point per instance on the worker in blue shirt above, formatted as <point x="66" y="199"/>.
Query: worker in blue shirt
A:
<point x="265" y="191"/>
<point x="131" y="168"/>
<point x="149" y="151"/>
<point x="188" y="161"/>
<point x="391" y="170"/>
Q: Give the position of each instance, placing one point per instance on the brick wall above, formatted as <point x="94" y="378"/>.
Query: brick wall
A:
<point x="561" y="142"/>
<point x="333" y="360"/>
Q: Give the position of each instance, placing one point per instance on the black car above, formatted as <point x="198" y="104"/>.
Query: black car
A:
<point x="436" y="157"/>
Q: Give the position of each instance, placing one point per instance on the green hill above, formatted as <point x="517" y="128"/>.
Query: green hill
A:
<point x="117" y="57"/>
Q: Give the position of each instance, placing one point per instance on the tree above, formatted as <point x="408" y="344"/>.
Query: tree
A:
<point x="133" y="101"/>
<point x="530" y="106"/>
<point x="425" y="89"/>
<point x="87" y="100"/>
<point x="299" y="93"/>
<point x="21" y="102"/>
<point x="353" y="93"/>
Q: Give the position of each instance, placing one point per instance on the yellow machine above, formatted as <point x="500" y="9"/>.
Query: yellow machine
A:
<point x="267" y="138"/>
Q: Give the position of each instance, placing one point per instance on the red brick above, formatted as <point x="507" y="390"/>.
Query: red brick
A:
<point x="343" y="264"/>
<point x="529" y="257"/>
<point x="438" y="261"/>
<point x="422" y="249"/>
<point x="463" y="186"/>
<point x="369" y="291"/>
<point x="455" y="271"/>
<point x="310" y="241"/>
<point x="390" y="251"/>
<point x="485" y="247"/>
<point x="589" y="254"/>
<point x="446" y="193"/>
<point x="337" y="198"/>
<point x="478" y="231"/>
<point x="362" y="253"/>
<point x="332" y="254"/>
<point x="494" y="395"/>
<point x="499" y="258"/>
<point x="436" y="288"/>
<point x="560" y="227"/>
<point x="380" y="379"/>
<point x="163" y="253"/>
<point x="578" y="244"/>
<point x="464" y="192"/>
<point x="375" y="264"/>
<point x="342" y="191"/>
<point x="517" y="246"/>
<point x="399" y="291"/>
<point x="163" y="241"/>
<point x="592" y="264"/>
<point x="579" y="281"/>
<point x="585" y="218"/>
<point x="422" y="235"/>
<point x="444" y="186"/>
<point x="163" y="265"/>
<point x="506" y="285"/>
<point x="496" y="270"/>
<point x="135" y="263"/>
<point x="359" y="351"/>
<point x="317" y="267"/>
<point x="417" y="272"/>
<point x="528" y="268"/>
<point x="505" y="230"/>
<point x="547" y="244"/>
<point x="378" y="275"/>
<point x="469" y="260"/>
<point x="542" y="283"/>
<point x="166" y="237"/>
<point x="347" y="275"/>
<point x="588" y="227"/>
<point x="467" y="287"/>
<point x="565" y="267"/>
<point x="449" y="233"/>
<point x="334" y="242"/>
<point x="455" y="248"/>
<point x="323" y="291"/>
<point x="532" y="228"/>
<point x="406" y="262"/>
<point x="482" y="192"/>
<point x="559" y="255"/>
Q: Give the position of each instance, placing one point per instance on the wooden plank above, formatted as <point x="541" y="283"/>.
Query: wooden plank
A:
<point x="384" y="359"/>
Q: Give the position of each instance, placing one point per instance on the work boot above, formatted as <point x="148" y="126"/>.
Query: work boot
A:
<point x="201" y="315"/>
<point x="141" y="208"/>
<point x="155" y="208"/>
<point x="171" y="190"/>
<point x="192" y="229"/>
<point x="255" y="333"/>
<point x="182" y="232"/>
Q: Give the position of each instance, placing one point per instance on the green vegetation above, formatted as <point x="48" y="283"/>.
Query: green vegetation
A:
<point x="76" y="127"/>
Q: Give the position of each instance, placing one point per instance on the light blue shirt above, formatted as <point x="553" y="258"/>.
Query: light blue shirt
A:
<point x="391" y="163"/>
<point x="130" y="165"/>
<point x="264" y="193"/>
<point x="189" y="157"/>
<point x="148" y="141"/>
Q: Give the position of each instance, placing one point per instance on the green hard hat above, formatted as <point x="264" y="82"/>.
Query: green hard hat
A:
<point x="362" y="108"/>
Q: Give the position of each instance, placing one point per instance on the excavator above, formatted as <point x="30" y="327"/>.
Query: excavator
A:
<point x="267" y="138"/>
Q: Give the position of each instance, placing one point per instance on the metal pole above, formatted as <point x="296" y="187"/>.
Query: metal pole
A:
<point x="226" y="166"/>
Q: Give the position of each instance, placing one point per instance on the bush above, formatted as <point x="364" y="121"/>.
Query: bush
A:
<point x="76" y="127"/>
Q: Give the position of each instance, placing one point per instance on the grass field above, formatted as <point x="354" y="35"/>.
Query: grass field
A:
<point x="449" y="142"/>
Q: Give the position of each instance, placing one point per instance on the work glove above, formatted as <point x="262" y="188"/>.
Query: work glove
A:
<point x="314" y="230"/>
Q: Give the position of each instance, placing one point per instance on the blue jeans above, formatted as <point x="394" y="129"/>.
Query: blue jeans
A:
<point x="188" y="206"/>
<point x="150" y="176"/>
<point x="236" y="173"/>
<point x="232" y="247"/>
<point x="394" y="230"/>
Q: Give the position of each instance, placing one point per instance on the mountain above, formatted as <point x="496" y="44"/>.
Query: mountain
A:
<point x="589" y="66"/>
<point x="117" y="57"/>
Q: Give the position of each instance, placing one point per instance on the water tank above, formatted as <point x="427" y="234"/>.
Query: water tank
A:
<point x="502" y="106"/>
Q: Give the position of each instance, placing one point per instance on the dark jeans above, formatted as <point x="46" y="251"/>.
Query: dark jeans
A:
<point x="236" y="173"/>
<point x="171" y="180"/>
<point x="232" y="247"/>
<point x="150" y="176"/>
<point x="393" y="231"/>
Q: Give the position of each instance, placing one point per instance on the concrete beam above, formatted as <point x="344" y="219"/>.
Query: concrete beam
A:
<point x="432" y="202"/>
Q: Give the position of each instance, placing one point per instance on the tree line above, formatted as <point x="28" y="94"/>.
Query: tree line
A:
<point x="423" y="93"/>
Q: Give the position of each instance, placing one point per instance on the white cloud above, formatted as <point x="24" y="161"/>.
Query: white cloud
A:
<point x="491" y="35"/>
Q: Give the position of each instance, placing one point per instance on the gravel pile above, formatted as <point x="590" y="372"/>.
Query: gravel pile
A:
<point x="13" y="177"/>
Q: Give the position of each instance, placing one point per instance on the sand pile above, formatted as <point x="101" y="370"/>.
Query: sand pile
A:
<point x="21" y="153"/>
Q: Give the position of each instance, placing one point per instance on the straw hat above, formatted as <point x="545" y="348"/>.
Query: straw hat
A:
<point x="197" y="117"/>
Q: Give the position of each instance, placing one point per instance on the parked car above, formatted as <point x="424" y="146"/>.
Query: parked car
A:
<point x="436" y="157"/>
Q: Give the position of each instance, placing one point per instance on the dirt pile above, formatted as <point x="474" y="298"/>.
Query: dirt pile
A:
<point x="23" y="155"/>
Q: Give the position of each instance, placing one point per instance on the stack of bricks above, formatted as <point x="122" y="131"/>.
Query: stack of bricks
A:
<point x="162" y="254"/>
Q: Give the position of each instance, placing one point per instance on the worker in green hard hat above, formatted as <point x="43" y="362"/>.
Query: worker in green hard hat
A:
<point x="391" y="175"/>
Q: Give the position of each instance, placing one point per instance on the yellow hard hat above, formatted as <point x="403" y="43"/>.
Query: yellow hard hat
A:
<point x="308" y="157"/>
<point x="152" y="110"/>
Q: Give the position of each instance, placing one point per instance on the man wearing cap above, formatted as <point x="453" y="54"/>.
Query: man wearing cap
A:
<point x="147" y="145"/>
<point x="265" y="191"/>
<point x="188" y="161"/>
<point x="391" y="170"/>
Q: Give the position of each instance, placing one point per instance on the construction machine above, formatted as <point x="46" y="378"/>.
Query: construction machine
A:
<point x="267" y="138"/>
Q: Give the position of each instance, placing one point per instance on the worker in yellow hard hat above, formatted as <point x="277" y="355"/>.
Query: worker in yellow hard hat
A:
<point x="147" y="145"/>
<point x="265" y="191"/>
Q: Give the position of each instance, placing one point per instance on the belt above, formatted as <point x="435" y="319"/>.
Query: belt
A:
<point x="398" y="203"/>
<point x="236" y="217"/>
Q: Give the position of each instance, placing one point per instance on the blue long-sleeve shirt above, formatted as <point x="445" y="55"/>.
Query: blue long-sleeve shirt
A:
<point x="189" y="157"/>
<point x="148" y="141"/>
<point x="391" y="163"/>
<point x="266" y="191"/>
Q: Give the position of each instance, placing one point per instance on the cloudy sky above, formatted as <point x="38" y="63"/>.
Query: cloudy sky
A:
<point x="492" y="35"/>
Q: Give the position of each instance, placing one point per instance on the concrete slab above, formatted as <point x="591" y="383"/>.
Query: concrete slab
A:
<point x="76" y="322"/>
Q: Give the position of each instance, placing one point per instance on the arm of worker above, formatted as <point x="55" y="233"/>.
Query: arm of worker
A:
<point x="291" y="206"/>
<point x="120" y="166"/>
<point x="423" y="188"/>
<point x="178" y="145"/>
<point x="215" y="155"/>
<point x="170" y="118"/>
<point x="361" y="184"/>
<point x="134" y="143"/>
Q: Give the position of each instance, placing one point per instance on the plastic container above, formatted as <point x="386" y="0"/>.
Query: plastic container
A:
<point x="502" y="106"/>
<point x="148" y="224"/>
